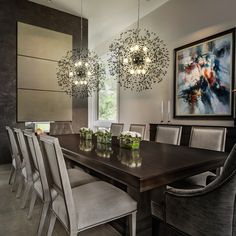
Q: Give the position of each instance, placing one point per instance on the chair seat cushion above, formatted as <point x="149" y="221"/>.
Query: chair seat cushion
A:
<point x="79" y="177"/>
<point x="35" y="174"/>
<point x="96" y="203"/>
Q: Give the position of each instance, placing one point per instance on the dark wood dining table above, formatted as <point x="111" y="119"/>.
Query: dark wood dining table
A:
<point x="153" y="166"/>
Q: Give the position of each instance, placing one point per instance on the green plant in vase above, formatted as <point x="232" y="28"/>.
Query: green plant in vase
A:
<point x="103" y="136"/>
<point x="86" y="133"/>
<point x="130" y="139"/>
<point x="86" y="145"/>
<point x="104" y="150"/>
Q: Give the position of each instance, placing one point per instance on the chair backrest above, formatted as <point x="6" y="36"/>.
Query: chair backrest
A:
<point x="139" y="128"/>
<point x="168" y="134"/>
<point x="116" y="128"/>
<point x="25" y="154"/>
<point x="35" y="150"/>
<point x="13" y="147"/>
<point x="208" y="138"/>
<point x="59" y="174"/>
<point x="59" y="128"/>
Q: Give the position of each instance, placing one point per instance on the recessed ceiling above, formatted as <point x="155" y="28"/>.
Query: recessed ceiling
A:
<point x="106" y="17"/>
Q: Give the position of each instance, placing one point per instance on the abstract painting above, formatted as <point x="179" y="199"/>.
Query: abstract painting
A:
<point x="204" y="77"/>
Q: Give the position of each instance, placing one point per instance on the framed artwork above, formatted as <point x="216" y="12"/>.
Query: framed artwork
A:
<point x="204" y="74"/>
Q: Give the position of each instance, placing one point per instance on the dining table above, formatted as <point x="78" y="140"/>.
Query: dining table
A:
<point x="151" y="167"/>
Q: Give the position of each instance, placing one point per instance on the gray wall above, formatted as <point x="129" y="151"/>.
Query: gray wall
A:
<point x="177" y="22"/>
<point x="31" y="13"/>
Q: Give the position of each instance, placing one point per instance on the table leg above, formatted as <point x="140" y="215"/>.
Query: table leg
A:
<point x="144" y="219"/>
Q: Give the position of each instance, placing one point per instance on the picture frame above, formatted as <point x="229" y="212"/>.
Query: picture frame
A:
<point x="204" y="77"/>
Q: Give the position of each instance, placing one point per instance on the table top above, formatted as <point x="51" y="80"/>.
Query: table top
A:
<point x="153" y="165"/>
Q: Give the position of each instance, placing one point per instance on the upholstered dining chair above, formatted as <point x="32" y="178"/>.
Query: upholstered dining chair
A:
<point x="116" y="128"/>
<point x="208" y="211"/>
<point x="85" y="206"/>
<point x="139" y="128"/>
<point x="168" y="134"/>
<point x="16" y="160"/>
<point x="205" y="138"/>
<point x="29" y="172"/>
<point x="59" y="128"/>
<point x="41" y="186"/>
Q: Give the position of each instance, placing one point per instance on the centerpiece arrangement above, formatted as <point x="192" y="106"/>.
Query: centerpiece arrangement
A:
<point x="103" y="136"/>
<point x="130" y="140"/>
<point x="86" y="133"/>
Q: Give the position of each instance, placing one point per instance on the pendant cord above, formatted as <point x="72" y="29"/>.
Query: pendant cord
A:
<point x="138" y="15"/>
<point x="81" y="24"/>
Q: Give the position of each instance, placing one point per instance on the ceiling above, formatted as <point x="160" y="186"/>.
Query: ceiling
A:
<point x="106" y="17"/>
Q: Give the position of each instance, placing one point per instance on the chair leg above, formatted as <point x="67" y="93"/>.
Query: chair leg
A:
<point x="132" y="224"/>
<point x="20" y="186"/>
<point x="26" y="194"/>
<point x="11" y="174"/>
<point x="43" y="217"/>
<point x="32" y="203"/>
<point x="51" y="224"/>
<point x="15" y="180"/>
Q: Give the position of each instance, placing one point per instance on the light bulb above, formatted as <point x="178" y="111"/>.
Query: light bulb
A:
<point x="89" y="73"/>
<point x="76" y="64"/>
<point x="131" y="72"/>
<point x="143" y="71"/>
<point x="131" y="49"/>
<point x="138" y="71"/>
<point x="145" y="49"/>
<point x="85" y="82"/>
<point x="71" y="74"/>
<point x="86" y="64"/>
<point x="126" y="61"/>
<point x="148" y="60"/>
<point x="136" y="47"/>
<point x="76" y="82"/>
<point x="80" y="63"/>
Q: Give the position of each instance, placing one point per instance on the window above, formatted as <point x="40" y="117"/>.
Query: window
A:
<point x="107" y="100"/>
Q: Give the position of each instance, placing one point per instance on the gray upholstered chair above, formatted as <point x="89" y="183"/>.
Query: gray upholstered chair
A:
<point x="116" y="128"/>
<point x="208" y="211"/>
<point x="85" y="206"/>
<point x="205" y="138"/>
<point x="59" y="128"/>
<point x="168" y="134"/>
<point x="208" y="138"/>
<point x="41" y="185"/>
<point x="16" y="160"/>
<point x="139" y="128"/>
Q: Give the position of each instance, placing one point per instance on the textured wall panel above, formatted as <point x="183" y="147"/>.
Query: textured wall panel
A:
<point x="43" y="43"/>
<point x="44" y="106"/>
<point x="37" y="74"/>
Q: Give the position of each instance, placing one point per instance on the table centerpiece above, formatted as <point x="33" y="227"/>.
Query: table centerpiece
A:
<point x="103" y="136"/>
<point x="86" y="133"/>
<point x="130" y="140"/>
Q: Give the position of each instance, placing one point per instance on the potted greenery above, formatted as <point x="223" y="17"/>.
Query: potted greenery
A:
<point x="103" y="136"/>
<point x="86" y="133"/>
<point x="130" y="140"/>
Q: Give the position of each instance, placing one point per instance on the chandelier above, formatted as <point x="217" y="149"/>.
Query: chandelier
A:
<point x="80" y="72"/>
<point x="139" y="58"/>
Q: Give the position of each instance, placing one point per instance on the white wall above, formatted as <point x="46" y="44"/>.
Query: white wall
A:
<point x="177" y="22"/>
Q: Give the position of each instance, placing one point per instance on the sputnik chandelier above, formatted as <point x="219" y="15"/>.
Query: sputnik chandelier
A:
<point x="138" y="58"/>
<point x="80" y="71"/>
